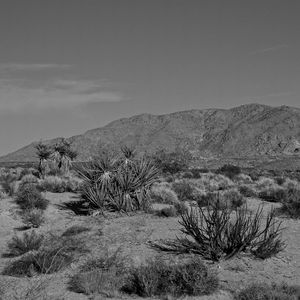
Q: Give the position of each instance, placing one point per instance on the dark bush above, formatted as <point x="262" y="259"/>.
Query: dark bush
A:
<point x="247" y="191"/>
<point x="158" y="278"/>
<point x="172" y="162"/>
<point x="184" y="191"/>
<point x="8" y="182"/>
<point x="291" y="204"/>
<point x="21" y="245"/>
<point x="28" y="197"/>
<point x="229" y="170"/>
<point x="218" y="234"/>
<point x="273" y="195"/>
<point x="167" y="212"/>
<point x="269" y="292"/>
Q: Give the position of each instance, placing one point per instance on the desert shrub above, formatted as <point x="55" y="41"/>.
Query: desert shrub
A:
<point x="218" y="234"/>
<point x="180" y="208"/>
<point x="279" y="180"/>
<point x="28" y="179"/>
<point x="100" y="275"/>
<point x="229" y="170"/>
<point x="159" y="278"/>
<point x="265" y="183"/>
<point x="74" y="230"/>
<point x="163" y="194"/>
<point x="184" y="190"/>
<point x="214" y="182"/>
<point x="172" y="162"/>
<point x="33" y="217"/>
<point x="8" y="182"/>
<point x="96" y="282"/>
<point x="21" y="245"/>
<point x="273" y="194"/>
<point x="233" y="198"/>
<point x="268" y="292"/>
<point x="243" y="179"/>
<point x="28" y="197"/>
<point x="247" y="190"/>
<point x="227" y="199"/>
<point x="291" y="184"/>
<point x="41" y="262"/>
<point x="291" y="204"/>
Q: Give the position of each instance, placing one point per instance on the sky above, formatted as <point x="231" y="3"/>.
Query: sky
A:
<point x="67" y="66"/>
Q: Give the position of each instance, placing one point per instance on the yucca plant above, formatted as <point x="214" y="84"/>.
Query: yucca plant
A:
<point x="109" y="183"/>
<point x="44" y="153"/>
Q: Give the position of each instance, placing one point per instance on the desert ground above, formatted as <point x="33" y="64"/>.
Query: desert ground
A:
<point x="129" y="235"/>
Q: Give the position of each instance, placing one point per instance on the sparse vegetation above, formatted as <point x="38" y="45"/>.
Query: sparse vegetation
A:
<point x="74" y="230"/>
<point x="268" y="292"/>
<point x="159" y="278"/>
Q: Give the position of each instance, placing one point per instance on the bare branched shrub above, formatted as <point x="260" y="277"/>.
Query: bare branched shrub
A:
<point x="217" y="234"/>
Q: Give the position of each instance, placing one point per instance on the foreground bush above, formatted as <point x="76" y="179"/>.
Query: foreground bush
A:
<point x="41" y="262"/>
<point x="184" y="190"/>
<point x="158" y="278"/>
<point x="103" y="275"/>
<point x="218" y="234"/>
<point x="269" y="292"/>
<point x="21" y="245"/>
<point x="8" y="182"/>
<point x="28" y="197"/>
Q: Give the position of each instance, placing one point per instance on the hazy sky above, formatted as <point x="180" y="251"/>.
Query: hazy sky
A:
<point x="67" y="66"/>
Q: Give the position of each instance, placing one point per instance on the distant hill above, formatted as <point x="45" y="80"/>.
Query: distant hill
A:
<point x="245" y="131"/>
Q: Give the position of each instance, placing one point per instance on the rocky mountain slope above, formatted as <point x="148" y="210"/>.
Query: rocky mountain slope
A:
<point x="245" y="131"/>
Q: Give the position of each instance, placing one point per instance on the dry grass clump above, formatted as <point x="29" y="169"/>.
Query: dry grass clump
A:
<point x="261" y="291"/>
<point x="159" y="278"/>
<point x="29" y="197"/>
<point x="21" y="245"/>
<point x="265" y="183"/>
<point x="103" y="275"/>
<point x="33" y="217"/>
<point x="54" y="254"/>
<point x="291" y="184"/>
<point x="160" y="193"/>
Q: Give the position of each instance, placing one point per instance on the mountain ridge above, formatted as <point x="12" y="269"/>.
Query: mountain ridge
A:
<point x="246" y="130"/>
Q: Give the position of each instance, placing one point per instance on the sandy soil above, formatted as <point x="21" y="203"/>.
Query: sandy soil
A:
<point x="131" y="233"/>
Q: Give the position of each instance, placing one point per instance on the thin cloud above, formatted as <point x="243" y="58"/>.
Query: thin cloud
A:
<point x="269" y="49"/>
<point x="17" y="67"/>
<point x="17" y="95"/>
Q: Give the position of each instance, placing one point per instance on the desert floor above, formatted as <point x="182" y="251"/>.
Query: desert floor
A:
<point x="130" y="233"/>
